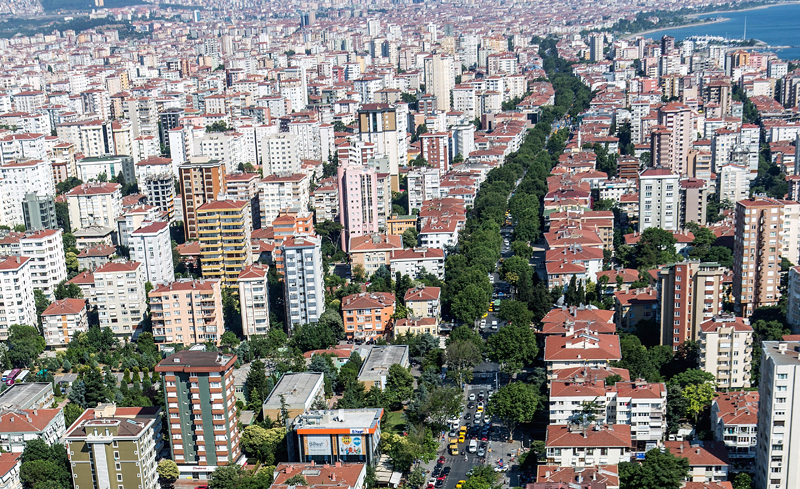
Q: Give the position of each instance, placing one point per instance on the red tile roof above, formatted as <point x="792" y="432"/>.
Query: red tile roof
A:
<point x="65" y="306"/>
<point x="609" y="436"/>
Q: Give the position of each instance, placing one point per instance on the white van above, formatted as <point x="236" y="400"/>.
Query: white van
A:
<point x="473" y="446"/>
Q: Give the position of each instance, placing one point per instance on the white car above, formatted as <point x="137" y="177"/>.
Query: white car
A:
<point x="472" y="396"/>
<point x="483" y="323"/>
<point x="491" y="279"/>
<point x="504" y="468"/>
<point x="494" y="324"/>
<point x="480" y="405"/>
<point x="487" y="419"/>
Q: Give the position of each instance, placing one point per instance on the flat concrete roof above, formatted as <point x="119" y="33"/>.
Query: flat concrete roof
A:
<point x="296" y="389"/>
<point x="339" y="419"/>
<point x="21" y="396"/>
<point x="790" y="357"/>
<point x="379" y="360"/>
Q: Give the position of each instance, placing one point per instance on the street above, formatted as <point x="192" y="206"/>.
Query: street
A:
<point x="494" y="446"/>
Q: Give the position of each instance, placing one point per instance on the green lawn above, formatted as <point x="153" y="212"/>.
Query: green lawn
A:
<point x="395" y="423"/>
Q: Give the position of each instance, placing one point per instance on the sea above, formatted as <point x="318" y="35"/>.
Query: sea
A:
<point x="775" y="25"/>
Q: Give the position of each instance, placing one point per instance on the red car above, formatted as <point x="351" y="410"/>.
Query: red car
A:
<point x="440" y="461"/>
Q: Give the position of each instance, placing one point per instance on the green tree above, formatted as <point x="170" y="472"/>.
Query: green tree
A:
<point x="692" y="376"/>
<point x="253" y="438"/>
<point x="96" y="391"/>
<point x="229" y="340"/>
<point x="25" y="344"/>
<point x="42" y="303"/>
<point x="461" y="356"/>
<point x="515" y="313"/>
<point x="656" y="246"/>
<point x="410" y="238"/>
<point x="226" y="477"/>
<point x="470" y="304"/>
<point x="698" y="397"/>
<point x="742" y="481"/>
<point x="296" y="480"/>
<point x="168" y="473"/>
<point x="514" y="403"/>
<point x="417" y="477"/>
<point x="66" y="290"/>
<point x="399" y="385"/>
<point x="256" y="383"/>
<point x="71" y="413"/>
<point x="513" y="347"/>
<point x="659" y="470"/>
<point x="636" y="358"/>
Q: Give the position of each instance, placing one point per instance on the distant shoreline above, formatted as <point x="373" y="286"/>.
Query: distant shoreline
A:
<point x="715" y="21"/>
<point x="679" y="26"/>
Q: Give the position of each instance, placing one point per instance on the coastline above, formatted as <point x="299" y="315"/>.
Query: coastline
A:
<point x="650" y="31"/>
<point x="716" y="21"/>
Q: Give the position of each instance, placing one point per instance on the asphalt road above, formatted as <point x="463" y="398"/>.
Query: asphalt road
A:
<point x="458" y="465"/>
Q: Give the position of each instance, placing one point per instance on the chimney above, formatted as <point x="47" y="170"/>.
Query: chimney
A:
<point x="288" y="469"/>
<point x="333" y="476"/>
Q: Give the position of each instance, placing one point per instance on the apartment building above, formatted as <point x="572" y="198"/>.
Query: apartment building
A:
<point x="373" y="251"/>
<point x="224" y="229"/>
<point x="580" y="350"/>
<point x="200" y="402"/>
<point x="708" y="460"/>
<point x="733" y="183"/>
<point x="368" y="315"/>
<point x="303" y="283"/>
<point x="106" y="450"/>
<point x="94" y="204"/>
<point x="383" y="126"/>
<point x="281" y="153"/>
<point x="202" y="180"/>
<point x="19" y="179"/>
<point x="438" y="72"/>
<point x="793" y="290"/>
<point x="694" y="195"/>
<point x="679" y="120"/>
<point x="734" y="421"/>
<point x="62" y="319"/>
<point x="156" y="181"/>
<point x="726" y="350"/>
<point x="778" y="400"/>
<point x="659" y="199"/>
<point x="120" y="297"/>
<point x="424" y="302"/>
<point x="39" y="212"/>
<point x="187" y="311"/>
<point x="325" y="201"/>
<point x="375" y="369"/>
<point x="254" y="299"/>
<point x="280" y="192"/>
<point x="689" y="293"/>
<point x="48" y="267"/>
<point x="96" y="166"/>
<point x="358" y="202"/>
<point x="585" y="446"/>
<point x="756" y="254"/>
<point x="244" y="186"/>
<point x="151" y="245"/>
<point x="16" y="294"/>
<point x="422" y="185"/>
<point x="417" y="261"/>
<point x="640" y="405"/>
<point x="23" y="425"/>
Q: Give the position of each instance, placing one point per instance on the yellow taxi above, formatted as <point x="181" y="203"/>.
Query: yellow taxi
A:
<point x="461" y="438"/>
<point x="453" y="449"/>
<point x="460" y="484"/>
<point x="479" y="410"/>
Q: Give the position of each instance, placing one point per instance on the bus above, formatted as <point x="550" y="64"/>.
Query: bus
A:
<point x="12" y="376"/>
<point x="21" y="377"/>
<point x="6" y="373"/>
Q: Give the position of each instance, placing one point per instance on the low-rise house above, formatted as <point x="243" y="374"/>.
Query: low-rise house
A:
<point x="375" y="369"/>
<point x="10" y="464"/>
<point x="95" y="256"/>
<point x="297" y="392"/>
<point x="416" y="326"/>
